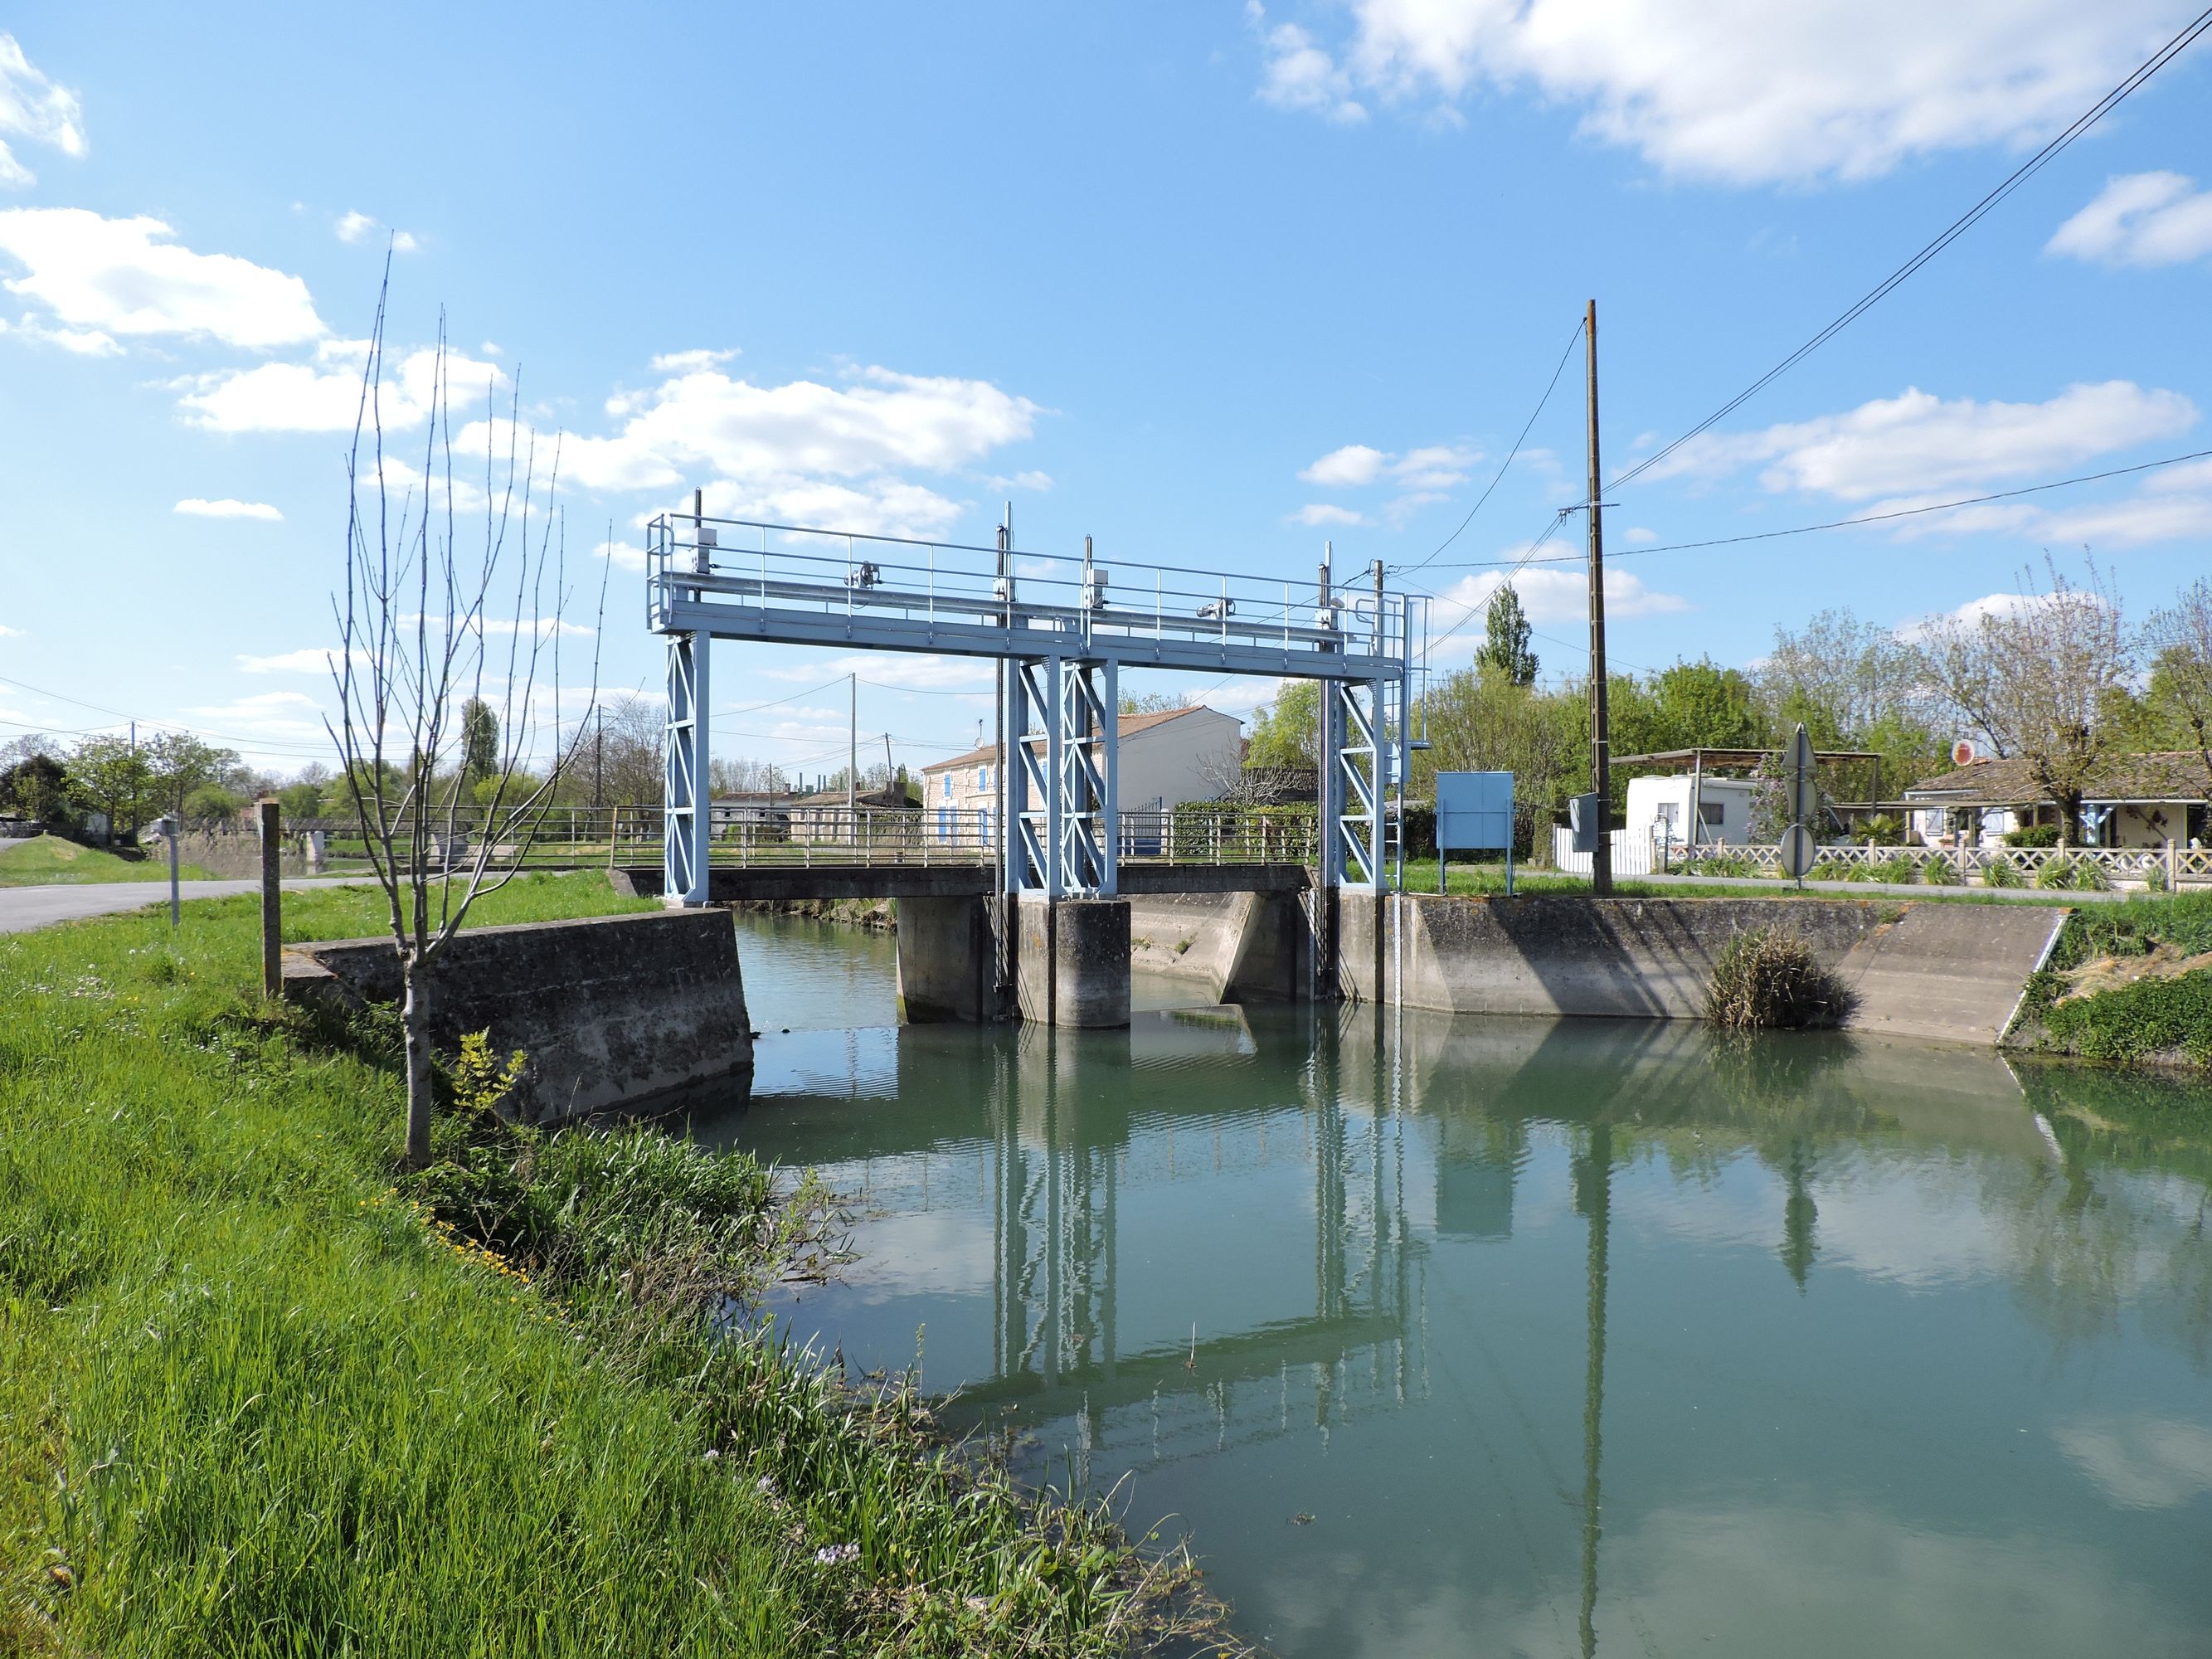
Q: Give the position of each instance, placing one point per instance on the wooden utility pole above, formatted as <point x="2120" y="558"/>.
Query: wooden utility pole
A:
<point x="1601" y="739"/>
<point x="272" y="897"/>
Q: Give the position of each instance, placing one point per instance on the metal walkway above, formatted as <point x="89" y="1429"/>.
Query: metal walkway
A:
<point x="1061" y="631"/>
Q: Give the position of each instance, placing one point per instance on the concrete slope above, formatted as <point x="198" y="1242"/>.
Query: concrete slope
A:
<point x="1952" y="971"/>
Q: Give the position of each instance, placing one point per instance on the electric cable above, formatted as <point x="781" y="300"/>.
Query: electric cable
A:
<point x="1957" y="229"/>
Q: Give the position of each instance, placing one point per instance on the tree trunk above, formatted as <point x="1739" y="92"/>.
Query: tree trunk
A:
<point x="415" y="1023"/>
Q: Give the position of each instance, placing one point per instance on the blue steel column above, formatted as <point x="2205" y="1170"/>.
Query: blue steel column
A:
<point x="1055" y="806"/>
<point x="1109" y="753"/>
<point x="687" y="819"/>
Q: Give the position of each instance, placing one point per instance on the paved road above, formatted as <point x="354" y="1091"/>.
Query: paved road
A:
<point x="22" y="908"/>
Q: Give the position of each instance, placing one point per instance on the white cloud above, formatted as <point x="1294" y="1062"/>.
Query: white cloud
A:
<point x="356" y="227"/>
<point x="1914" y="443"/>
<point x="31" y="106"/>
<point x="1742" y="91"/>
<point x="84" y="342"/>
<point x="1296" y="74"/>
<point x="802" y="452"/>
<point x="1552" y="597"/>
<point x="324" y="396"/>
<point x="8" y="633"/>
<point x="125" y="277"/>
<point x="1037" y="481"/>
<point x="2141" y="1461"/>
<point x="683" y="362"/>
<point x="2140" y="219"/>
<point x="1640" y="536"/>
<point x="1439" y="466"/>
<point x="918" y="672"/>
<point x="193" y="506"/>
<point x="1352" y="466"/>
<point x="624" y="556"/>
<point x="312" y="659"/>
<point x="1321" y="512"/>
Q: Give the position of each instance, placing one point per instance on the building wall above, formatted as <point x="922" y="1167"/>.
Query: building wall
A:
<point x="1726" y="804"/>
<point x="1179" y="760"/>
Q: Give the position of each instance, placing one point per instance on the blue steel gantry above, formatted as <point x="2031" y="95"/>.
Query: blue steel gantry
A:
<point x="1061" y="632"/>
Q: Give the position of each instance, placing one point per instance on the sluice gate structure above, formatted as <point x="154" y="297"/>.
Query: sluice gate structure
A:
<point x="1050" y="919"/>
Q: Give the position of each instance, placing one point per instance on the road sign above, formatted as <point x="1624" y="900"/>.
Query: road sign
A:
<point x="1798" y="852"/>
<point x="1798" y="770"/>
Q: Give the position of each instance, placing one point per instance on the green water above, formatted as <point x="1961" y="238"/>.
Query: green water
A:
<point x="1501" y="1337"/>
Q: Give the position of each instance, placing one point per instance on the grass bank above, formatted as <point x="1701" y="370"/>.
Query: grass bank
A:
<point x="46" y="860"/>
<point x="258" y="1399"/>
<point x="2128" y="982"/>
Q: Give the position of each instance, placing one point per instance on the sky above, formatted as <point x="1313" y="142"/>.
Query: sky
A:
<point x="1209" y="282"/>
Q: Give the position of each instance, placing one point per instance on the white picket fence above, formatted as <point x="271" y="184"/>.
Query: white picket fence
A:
<point x="2169" y="868"/>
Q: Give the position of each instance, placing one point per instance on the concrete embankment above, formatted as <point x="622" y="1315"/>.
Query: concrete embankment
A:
<point x="1952" y="972"/>
<point x="1241" y="947"/>
<point x="611" y="1011"/>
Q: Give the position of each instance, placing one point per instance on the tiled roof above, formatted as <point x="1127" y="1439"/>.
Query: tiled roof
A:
<point x="1130" y="725"/>
<point x="2174" y="775"/>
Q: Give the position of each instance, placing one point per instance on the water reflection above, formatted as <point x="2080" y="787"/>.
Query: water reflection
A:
<point x="1573" y="1338"/>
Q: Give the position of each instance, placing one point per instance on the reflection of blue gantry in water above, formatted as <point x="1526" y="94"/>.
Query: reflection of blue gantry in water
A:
<point x="1062" y="633"/>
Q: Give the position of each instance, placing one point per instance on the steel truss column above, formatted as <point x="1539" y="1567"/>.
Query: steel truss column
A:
<point x="1355" y="809"/>
<point x="689" y="817"/>
<point x="1063" y="798"/>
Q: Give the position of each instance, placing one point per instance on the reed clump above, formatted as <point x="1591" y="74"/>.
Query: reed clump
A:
<point x="1767" y="979"/>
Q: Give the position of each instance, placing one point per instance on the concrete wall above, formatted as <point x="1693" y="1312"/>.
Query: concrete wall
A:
<point x="611" y="1011"/>
<point x="1240" y="947"/>
<point x="1955" y="972"/>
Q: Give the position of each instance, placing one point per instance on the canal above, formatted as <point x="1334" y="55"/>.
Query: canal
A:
<point x="1507" y="1337"/>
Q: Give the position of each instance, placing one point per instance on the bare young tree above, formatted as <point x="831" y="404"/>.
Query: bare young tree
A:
<point x="2034" y="678"/>
<point x="2179" y="639"/>
<point x="428" y="629"/>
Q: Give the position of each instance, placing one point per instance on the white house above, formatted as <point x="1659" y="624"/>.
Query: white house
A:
<point x="1178" y="755"/>
<point x="1659" y="810"/>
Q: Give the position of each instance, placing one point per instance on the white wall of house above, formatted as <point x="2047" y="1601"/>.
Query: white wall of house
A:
<point x="1659" y="809"/>
<point x="1162" y="765"/>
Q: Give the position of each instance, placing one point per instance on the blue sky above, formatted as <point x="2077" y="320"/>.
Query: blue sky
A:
<point x="1205" y="282"/>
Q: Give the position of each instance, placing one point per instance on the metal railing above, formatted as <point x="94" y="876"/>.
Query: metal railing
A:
<point x="2170" y="867"/>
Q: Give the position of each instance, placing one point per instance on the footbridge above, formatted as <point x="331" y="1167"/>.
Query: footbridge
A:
<point x="1036" y="922"/>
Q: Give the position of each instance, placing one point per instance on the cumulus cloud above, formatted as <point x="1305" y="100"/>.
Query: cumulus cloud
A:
<point x="1740" y="91"/>
<point x="918" y="672"/>
<point x="1296" y="74"/>
<point x="32" y="107"/>
<point x="1906" y="447"/>
<point x="1354" y="464"/>
<point x="2141" y="1461"/>
<point x="325" y="395"/>
<point x="127" y="277"/>
<point x="682" y="362"/>
<point x="312" y="659"/>
<point x="1553" y="597"/>
<point x="193" y="507"/>
<point x="1036" y="482"/>
<point x="2140" y="219"/>
<point x="1322" y="513"/>
<point x="358" y="227"/>
<point x="802" y="452"/>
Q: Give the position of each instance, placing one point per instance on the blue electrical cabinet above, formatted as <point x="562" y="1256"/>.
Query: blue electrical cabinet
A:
<point x="1475" y="814"/>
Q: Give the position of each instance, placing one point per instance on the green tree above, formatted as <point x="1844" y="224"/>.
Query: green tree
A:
<point x="1701" y="705"/>
<point x="479" y="741"/>
<point x="1150" y="702"/>
<point x="37" y="786"/>
<point x="1287" y="731"/>
<point x="1505" y="641"/>
<point x="179" y="763"/>
<point x="108" y="774"/>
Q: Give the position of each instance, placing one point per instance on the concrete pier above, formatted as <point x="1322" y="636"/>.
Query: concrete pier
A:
<point x="1072" y="962"/>
<point x="948" y="961"/>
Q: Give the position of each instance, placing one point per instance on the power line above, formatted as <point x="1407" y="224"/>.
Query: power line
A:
<point x="1957" y="229"/>
<point x="1550" y="387"/>
<point x="1864" y="518"/>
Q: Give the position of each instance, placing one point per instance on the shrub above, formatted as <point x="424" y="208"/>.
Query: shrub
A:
<point x="1900" y="869"/>
<point x="1827" y="870"/>
<point x="2056" y="875"/>
<point x="1940" y="871"/>
<point x="2151" y="1016"/>
<point x="2088" y="877"/>
<point x="2000" y="871"/>
<point x="1770" y="979"/>
<point x="2154" y="876"/>
<point x="2036" y="835"/>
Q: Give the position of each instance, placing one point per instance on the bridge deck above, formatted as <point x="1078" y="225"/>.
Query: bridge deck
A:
<point x="737" y="884"/>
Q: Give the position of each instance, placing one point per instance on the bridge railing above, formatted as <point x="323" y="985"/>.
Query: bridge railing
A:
<point x="773" y="834"/>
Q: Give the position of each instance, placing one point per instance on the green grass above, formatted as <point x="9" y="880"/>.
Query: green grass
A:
<point x="44" y="860"/>
<point x="252" y="1402"/>
<point x="2162" y="1016"/>
<point x="1490" y="878"/>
